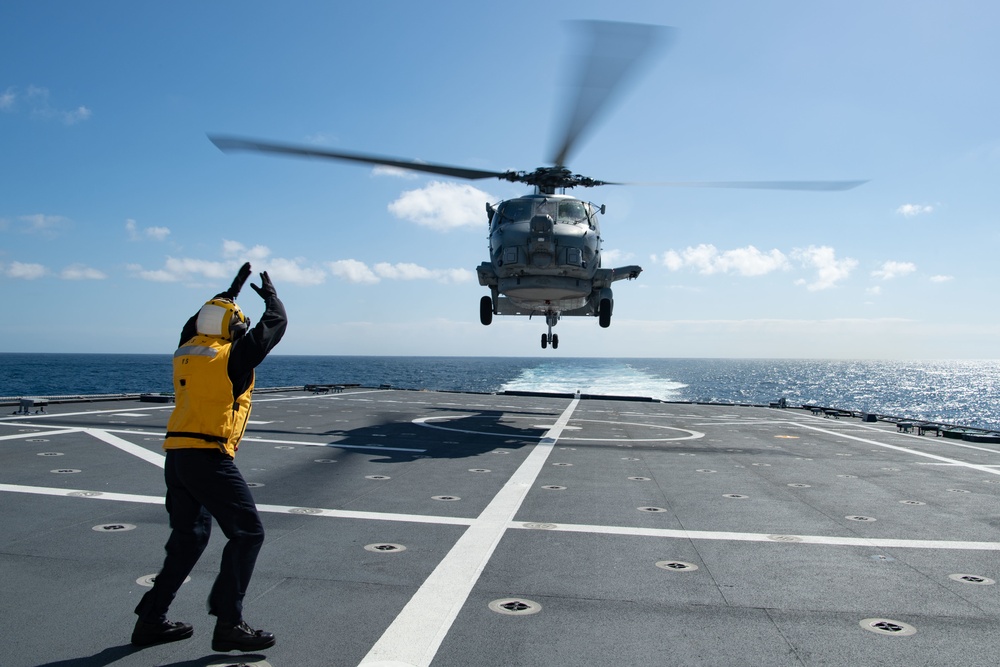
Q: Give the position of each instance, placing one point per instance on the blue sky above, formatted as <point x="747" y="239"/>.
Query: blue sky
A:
<point x="118" y="217"/>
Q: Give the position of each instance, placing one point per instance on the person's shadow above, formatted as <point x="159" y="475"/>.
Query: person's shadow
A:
<point x="112" y="654"/>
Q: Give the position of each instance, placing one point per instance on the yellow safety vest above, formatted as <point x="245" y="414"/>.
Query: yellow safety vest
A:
<point x="205" y="415"/>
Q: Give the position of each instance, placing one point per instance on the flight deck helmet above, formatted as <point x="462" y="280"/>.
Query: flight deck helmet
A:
<point x="222" y="318"/>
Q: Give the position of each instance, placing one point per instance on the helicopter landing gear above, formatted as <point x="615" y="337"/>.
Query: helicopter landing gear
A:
<point x="604" y="313"/>
<point x="550" y="338"/>
<point x="486" y="310"/>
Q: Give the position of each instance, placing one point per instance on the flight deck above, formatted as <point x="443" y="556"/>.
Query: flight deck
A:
<point x="454" y="529"/>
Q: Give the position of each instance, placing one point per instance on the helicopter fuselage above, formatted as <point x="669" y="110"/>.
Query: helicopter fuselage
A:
<point x="545" y="259"/>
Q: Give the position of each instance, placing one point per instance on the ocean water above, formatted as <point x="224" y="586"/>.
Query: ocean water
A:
<point x="961" y="392"/>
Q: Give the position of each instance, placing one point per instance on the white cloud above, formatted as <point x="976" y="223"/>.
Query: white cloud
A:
<point x="395" y="172"/>
<point x="874" y="291"/>
<point x="942" y="279"/>
<point x="892" y="270"/>
<point x="443" y="206"/>
<point x="707" y="259"/>
<point x="353" y="271"/>
<point x="291" y="271"/>
<point x="221" y="272"/>
<point x="406" y="271"/>
<point x="356" y="271"/>
<point x="81" y="272"/>
<point x="37" y="99"/>
<point x="156" y="275"/>
<point x="910" y="210"/>
<point x="154" y="233"/>
<point x="236" y="250"/>
<point x="44" y="224"/>
<point x="7" y="99"/>
<point x="829" y="269"/>
<point x="611" y="257"/>
<point x="23" y="270"/>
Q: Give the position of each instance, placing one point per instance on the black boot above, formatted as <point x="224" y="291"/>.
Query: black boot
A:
<point x="240" y="637"/>
<point x="159" y="632"/>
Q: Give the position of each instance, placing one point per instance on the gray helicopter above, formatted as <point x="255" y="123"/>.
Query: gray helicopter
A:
<point x="545" y="247"/>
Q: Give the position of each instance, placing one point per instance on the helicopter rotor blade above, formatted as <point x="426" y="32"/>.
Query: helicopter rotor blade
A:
<point x="822" y="186"/>
<point x="227" y="144"/>
<point x="613" y="57"/>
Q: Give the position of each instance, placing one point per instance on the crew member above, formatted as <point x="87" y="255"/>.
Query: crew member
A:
<point x="213" y="384"/>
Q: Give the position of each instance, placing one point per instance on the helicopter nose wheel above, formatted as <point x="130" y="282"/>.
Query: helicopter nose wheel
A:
<point x="551" y="319"/>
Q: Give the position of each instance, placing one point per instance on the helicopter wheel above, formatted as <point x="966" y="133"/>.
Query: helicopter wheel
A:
<point x="555" y="341"/>
<point x="486" y="310"/>
<point x="545" y="341"/>
<point x="604" y="313"/>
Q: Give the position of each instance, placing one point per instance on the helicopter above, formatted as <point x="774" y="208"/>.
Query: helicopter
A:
<point x="545" y="246"/>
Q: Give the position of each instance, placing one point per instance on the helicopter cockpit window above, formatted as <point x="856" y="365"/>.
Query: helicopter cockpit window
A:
<point x="572" y="212"/>
<point x="515" y="210"/>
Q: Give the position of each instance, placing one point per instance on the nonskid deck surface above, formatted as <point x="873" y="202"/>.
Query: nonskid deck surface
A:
<point x="424" y="528"/>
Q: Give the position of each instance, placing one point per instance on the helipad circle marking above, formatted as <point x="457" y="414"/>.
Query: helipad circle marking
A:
<point x="888" y="627"/>
<point x="149" y="579"/>
<point x="515" y="606"/>
<point x="114" y="527"/>
<point x="691" y="435"/>
<point x="676" y="566"/>
<point x="385" y="548"/>
<point x="972" y="579"/>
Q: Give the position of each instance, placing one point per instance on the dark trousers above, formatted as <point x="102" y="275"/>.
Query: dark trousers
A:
<point x="201" y="484"/>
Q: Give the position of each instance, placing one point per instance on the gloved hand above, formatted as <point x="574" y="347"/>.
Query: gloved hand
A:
<point x="266" y="289"/>
<point x="241" y="277"/>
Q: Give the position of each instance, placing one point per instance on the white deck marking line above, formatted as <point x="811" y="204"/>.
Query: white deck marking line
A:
<point x="101" y="495"/>
<point x="126" y="446"/>
<point x="161" y="434"/>
<point x="882" y="542"/>
<point x="414" y="637"/>
<point x="973" y="466"/>
<point x="273" y="509"/>
<point x="40" y="434"/>
<point x="824" y="540"/>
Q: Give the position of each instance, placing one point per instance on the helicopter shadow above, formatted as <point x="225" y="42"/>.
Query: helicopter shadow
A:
<point x="443" y="434"/>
